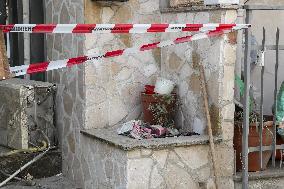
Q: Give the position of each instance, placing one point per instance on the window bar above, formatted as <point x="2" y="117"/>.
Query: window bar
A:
<point x="261" y="100"/>
<point x="246" y="103"/>
<point x="275" y="97"/>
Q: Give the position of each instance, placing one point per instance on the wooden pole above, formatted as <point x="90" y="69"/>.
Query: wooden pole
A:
<point x="4" y="65"/>
<point x="209" y="126"/>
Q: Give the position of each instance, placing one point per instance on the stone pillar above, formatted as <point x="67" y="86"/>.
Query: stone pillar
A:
<point x="218" y="56"/>
<point x="70" y="96"/>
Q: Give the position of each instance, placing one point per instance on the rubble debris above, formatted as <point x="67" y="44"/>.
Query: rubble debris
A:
<point x="137" y="129"/>
<point x="128" y="126"/>
<point x="158" y="130"/>
<point x="141" y="132"/>
<point x="173" y="132"/>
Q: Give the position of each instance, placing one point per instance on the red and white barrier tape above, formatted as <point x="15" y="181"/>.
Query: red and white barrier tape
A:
<point x="117" y="28"/>
<point x="53" y="65"/>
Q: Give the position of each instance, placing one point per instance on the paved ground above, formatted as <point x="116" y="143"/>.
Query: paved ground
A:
<point x="55" y="182"/>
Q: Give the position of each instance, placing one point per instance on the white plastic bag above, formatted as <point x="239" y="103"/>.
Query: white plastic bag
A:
<point x="164" y="86"/>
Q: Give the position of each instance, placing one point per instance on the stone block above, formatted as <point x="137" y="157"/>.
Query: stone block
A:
<point x="177" y="3"/>
<point x="225" y="160"/>
<point x="26" y="106"/>
<point x="177" y="177"/>
<point x="227" y="112"/>
<point x="139" y="172"/>
<point x="228" y="83"/>
<point x="198" y="156"/>
<point x="228" y="130"/>
<point x="218" y="2"/>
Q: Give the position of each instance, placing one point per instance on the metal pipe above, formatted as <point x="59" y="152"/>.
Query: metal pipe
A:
<point x="26" y="36"/>
<point x="275" y="97"/>
<point x="261" y="100"/>
<point x="246" y="103"/>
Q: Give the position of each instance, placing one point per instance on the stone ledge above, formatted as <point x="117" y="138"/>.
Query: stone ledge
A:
<point x="270" y="173"/>
<point x="110" y="136"/>
<point x="200" y="8"/>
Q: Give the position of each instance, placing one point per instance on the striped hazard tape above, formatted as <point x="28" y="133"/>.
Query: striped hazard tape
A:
<point x="53" y="65"/>
<point x="117" y="28"/>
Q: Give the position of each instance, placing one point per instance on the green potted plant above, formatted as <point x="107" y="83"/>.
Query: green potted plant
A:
<point x="159" y="109"/>
<point x="254" y="139"/>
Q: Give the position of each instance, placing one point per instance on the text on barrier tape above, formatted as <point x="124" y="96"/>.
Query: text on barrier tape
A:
<point x="117" y="28"/>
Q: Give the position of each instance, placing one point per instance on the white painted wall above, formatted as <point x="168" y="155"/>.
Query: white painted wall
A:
<point x="270" y="20"/>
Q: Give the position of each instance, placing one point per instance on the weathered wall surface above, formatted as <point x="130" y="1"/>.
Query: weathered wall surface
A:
<point x="107" y="166"/>
<point x="70" y="97"/>
<point x="267" y="19"/>
<point x="181" y="64"/>
<point x="13" y="119"/>
<point x="176" y="168"/>
<point x="106" y="92"/>
<point x="113" y="85"/>
<point x="24" y="107"/>
<point x="103" y="166"/>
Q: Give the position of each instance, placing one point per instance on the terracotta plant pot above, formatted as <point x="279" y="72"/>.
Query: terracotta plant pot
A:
<point x="254" y="141"/>
<point x="279" y="141"/>
<point x="150" y="99"/>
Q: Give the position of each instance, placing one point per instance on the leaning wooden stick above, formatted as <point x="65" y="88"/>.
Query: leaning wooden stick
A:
<point x="209" y="126"/>
<point x="4" y="65"/>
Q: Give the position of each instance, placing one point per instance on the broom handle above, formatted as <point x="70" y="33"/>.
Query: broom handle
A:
<point x="206" y="105"/>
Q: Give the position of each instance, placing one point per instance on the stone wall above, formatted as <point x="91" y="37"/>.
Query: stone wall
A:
<point x="113" y="86"/>
<point x="103" y="165"/>
<point x="70" y="97"/>
<point x="175" y="168"/>
<point x="108" y="166"/>
<point x="107" y="92"/>
<point x="217" y="55"/>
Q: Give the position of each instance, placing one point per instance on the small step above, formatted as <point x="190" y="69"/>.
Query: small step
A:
<point x="271" y="178"/>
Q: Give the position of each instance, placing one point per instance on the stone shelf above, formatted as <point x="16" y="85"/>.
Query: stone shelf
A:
<point x="111" y="137"/>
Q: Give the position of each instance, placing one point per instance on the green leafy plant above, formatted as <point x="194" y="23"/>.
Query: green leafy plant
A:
<point x="253" y="116"/>
<point x="241" y="85"/>
<point x="163" y="110"/>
